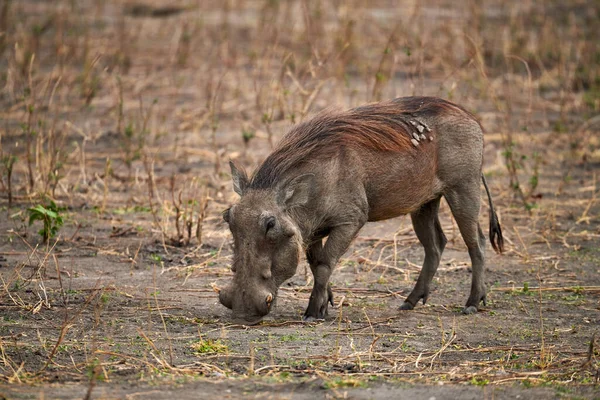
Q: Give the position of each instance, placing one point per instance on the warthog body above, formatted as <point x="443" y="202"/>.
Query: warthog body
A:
<point x="330" y="175"/>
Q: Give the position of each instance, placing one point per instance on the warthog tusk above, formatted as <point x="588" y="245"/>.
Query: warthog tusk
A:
<point x="215" y="287"/>
<point x="269" y="299"/>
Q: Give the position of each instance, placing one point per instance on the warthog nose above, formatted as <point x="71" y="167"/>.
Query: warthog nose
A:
<point x="269" y="300"/>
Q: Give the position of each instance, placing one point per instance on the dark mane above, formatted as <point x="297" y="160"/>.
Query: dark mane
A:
<point x="381" y="127"/>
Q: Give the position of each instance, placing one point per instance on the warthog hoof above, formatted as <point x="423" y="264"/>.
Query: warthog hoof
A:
<point x="318" y="304"/>
<point x="406" y="306"/>
<point x="312" y="319"/>
<point x="471" y="306"/>
<point x="469" y="310"/>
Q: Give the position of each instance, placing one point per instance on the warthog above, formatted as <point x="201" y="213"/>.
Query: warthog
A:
<point x="331" y="174"/>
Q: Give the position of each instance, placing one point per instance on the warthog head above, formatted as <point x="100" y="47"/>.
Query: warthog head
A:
<point x="267" y="244"/>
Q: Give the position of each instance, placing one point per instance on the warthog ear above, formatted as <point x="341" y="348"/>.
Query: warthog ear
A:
<point x="297" y="192"/>
<point x="240" y="179"/>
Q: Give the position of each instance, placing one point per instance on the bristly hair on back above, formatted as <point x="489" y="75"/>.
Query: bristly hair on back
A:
<point x="383" y="127"/>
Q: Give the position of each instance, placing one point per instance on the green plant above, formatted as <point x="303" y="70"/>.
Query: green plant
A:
<point x="204" y="346"/>
<point x="515" y="162"/>
<point x="248" y="135"/>
<point x="50" y="217"/>
<point x="290" y="338"/>
<point x="132" y="145"/>
<point x="479" y="381"/>
<point x="340" y="382"/>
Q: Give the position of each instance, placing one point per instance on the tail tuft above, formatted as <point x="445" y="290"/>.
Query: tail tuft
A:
<point x="496" y="238"/>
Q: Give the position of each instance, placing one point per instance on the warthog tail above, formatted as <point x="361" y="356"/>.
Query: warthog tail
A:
<point x="496" y="238"/>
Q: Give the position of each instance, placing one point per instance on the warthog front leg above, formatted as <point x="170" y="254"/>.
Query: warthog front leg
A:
<point x="322" y="260"/>
<point x="313" y="255"/>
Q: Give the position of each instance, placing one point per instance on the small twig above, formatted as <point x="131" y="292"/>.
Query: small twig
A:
<point x="590" y="353"/>
<point x="267" y="367"/>
<point x="551" y="289"/>
<point x="67" y="324"/>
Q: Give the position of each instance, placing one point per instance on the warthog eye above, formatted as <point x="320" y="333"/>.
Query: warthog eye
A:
<point x="269" y="223"/>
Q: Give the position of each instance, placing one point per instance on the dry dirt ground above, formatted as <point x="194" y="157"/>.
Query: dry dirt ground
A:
<point x="131" y="111"/>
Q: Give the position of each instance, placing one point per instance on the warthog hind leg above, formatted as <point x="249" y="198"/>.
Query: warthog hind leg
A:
<point x="429" y="231"/>
<point x="464" y="205"/>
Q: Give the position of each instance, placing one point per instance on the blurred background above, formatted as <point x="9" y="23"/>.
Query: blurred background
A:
<point x="95" y="87"/>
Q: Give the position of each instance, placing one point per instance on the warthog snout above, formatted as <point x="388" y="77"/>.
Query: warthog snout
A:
<point x="249" y="307"/>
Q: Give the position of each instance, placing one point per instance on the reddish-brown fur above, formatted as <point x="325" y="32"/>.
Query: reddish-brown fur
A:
<point x="381" y="126"/>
